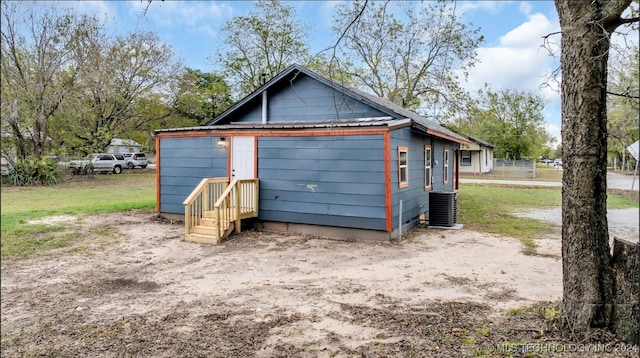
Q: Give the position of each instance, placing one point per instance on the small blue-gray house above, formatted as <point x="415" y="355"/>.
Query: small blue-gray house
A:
<point x="323" y="159"/>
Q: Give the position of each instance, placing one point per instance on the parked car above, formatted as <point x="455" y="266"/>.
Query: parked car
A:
<point x="546" y="161"/>
<point x="136" y="160"/>
<point x="557" y="163"/>
<point x="121" y="160"/>
<point x="99" y="162"/>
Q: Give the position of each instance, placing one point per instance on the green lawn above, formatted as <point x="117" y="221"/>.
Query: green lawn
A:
<point x="489" y="208"/>
<point x="84" y="195"/>
<point x="483" y="208"/>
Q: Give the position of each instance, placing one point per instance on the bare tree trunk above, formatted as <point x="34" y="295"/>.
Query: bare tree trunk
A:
<point x="625" y="322"/>
<point x="589" y="280"/>
<point x="21" y="150"/>
<point x="588" y="283"/>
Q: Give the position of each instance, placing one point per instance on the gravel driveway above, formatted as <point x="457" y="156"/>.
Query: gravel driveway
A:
<point x="623" y="223"/>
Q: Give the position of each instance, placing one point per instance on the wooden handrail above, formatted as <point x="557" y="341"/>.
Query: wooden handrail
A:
<point x="233" y="202"/>
<point x="225" y="193"/>
<point x="200" y="188"/>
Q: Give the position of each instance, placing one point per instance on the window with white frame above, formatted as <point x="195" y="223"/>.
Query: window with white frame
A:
<point x="403" y="167"/>
<point x="445" y="164"/>
<point x="427" y="167"/>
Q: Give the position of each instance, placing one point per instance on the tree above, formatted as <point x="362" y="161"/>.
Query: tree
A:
<point x="589" y="281"/>
<point x="265" y="42"/>
<point x="40" y="60"/>
<point x="512" y="120"/>
<point x="202" y="96"/>
<point x="127" y="84"/>
<point x="410" y="62"/>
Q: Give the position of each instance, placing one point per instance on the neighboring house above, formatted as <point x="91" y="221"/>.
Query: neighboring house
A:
<point x="476" y="157"/>
<point x="5" y="166"/>
<point x="118" y="145"/>
<point x="330" y="160"/>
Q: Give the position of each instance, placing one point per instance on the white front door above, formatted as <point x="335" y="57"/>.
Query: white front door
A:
<point x="242" y="157"/>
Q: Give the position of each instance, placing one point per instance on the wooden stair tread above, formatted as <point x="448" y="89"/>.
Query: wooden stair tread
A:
<point x="202" y="239"/>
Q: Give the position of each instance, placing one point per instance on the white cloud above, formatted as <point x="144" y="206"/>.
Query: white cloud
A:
<point x="554" y="131"/>
<point x="520" y="62"/>
<point x="102" y="9"/>
<point x="327" y="10"/>
<point x="525" y="8"/>
<point x="529" y="33"/>
<point x="195" y="17"/>
<point x="468" y="7"/>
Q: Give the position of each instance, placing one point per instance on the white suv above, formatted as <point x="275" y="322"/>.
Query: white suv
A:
<point x="136" y="160"/>
<point x="99" y="162"/>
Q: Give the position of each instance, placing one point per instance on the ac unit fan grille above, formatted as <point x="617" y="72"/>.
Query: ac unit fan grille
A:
<point x="442" y="208"/>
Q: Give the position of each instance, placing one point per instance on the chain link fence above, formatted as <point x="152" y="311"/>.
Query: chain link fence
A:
<point x="514" y="168"/>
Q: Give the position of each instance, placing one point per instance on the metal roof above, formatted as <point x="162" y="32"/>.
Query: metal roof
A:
<point x="421" y="123"/>
<point x="480" y="141"/>
<point x="352" y="123"/>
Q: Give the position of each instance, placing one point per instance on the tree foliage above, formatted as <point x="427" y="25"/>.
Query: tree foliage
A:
<point x="266" y="41"/>
<point x="407" y="52"/>
<point x="125" y="85"/>
<point x="512" y="120"/>
<point x="202" y="96"/>
<point x="67" y="84"/>
<point x="42" y="56"/>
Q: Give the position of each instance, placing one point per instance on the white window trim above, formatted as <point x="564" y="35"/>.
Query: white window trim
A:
<point x="403" y="184"/>
<point x="445" y="164"/>
<point x="428" y="182"/>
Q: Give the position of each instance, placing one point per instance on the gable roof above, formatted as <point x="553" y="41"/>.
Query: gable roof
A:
<point x="124" y="142"/>
<point x="481" y="142"/>
<point x="381" y="104"/>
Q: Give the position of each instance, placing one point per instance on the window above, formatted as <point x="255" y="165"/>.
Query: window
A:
<point x="466" y="158"/>
<point x="403" y="167"/>
<point x="427" y="167"/>
<point x="445" y="160"/>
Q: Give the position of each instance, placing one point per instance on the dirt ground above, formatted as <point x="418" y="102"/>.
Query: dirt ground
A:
<point x="132" y="287"/>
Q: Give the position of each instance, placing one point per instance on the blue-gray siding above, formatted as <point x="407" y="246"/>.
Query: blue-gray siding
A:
<point x="183" y="163"/>
<point x="325" y="180"/>
<point x="306" y="100"/>
<point x="415" y="199"/>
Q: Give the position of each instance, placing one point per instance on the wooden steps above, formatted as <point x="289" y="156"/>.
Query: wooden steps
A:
<point x="201" y="213"/>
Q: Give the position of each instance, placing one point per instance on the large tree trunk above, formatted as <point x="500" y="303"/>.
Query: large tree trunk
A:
<point x="588" y="276"/>
<point x="588" y="283"/>
<point x="625" y="322"/>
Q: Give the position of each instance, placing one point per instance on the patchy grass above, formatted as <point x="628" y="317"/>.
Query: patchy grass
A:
<point x="548" y="173"/>
<point x="85" y="195"/>
<point x="489" y="208"/>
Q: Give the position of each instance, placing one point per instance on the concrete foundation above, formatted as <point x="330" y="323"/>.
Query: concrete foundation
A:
<point x="329" y="232"/>
<point x="454" y="227"/>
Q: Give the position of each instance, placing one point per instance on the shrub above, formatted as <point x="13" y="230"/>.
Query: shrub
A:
<point x="33" y="171"/>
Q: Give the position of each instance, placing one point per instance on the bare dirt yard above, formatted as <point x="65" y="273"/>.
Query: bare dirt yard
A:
<point x="132" y="287"/>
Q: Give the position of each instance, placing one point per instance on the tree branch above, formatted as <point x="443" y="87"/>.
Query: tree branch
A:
<point x="625" y="95"/>
<point x="621" y="21"/>
<point x="346" y="29"/>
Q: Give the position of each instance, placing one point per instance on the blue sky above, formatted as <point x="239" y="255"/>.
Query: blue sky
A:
<point x="510" y="57"/>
